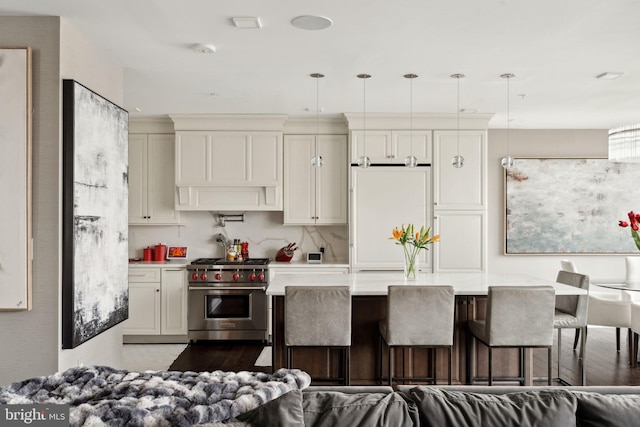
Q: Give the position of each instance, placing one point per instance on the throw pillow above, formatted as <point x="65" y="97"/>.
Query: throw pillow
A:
<point x="607" y="410"/>
<point x="332" y="408"/>
<point x="543" y="408"/>
<point x="285" y="411"/>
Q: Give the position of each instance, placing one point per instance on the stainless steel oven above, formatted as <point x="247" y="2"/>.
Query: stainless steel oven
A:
<point x="227" y="300"/>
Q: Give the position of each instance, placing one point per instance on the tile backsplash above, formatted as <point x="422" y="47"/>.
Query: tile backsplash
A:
<point x="263" y="230"/>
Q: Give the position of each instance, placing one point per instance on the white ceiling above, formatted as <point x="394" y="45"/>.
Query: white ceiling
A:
<point x="554" y="47"/>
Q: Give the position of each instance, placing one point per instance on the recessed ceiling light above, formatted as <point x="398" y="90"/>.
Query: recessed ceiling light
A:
<point x="204" y="48"/>
<point x="311" y="22"/>
<point x="247" y="22"/>
<point x="609" y="75"/>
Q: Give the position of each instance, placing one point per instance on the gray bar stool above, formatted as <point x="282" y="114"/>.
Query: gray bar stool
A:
<point x="418" y="316"/>
<point x="517" y="317"/>
<point x="571" y="312"/>
<point x="318" y="316"/>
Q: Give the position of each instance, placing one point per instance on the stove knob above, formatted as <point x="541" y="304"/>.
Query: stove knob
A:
<point x="252" y="277"/>
<point x="203" y="276"/>
<point x="261" y="277"/>
<point x="194" y="276"/>
<point x="218" y="276"/>
<point x="236" y="276"/>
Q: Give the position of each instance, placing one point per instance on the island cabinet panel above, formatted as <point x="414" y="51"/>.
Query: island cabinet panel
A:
<point x="367" y="311"/>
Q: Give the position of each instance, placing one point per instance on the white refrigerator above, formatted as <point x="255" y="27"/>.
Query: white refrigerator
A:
<point x="384" y="197"/>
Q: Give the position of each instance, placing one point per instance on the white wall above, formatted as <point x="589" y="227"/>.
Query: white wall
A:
<point x="81" y="61"/>
<point x="29" y="340"/>
<point x="542" y="143"/>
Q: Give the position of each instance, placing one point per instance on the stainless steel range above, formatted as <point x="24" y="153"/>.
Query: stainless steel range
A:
<point x="227" y="299"/>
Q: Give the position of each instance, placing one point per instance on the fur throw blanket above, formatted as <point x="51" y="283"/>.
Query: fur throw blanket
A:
<point x="100" y="395"/>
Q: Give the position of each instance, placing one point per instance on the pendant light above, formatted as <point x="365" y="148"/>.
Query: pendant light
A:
<point x="458" y="161"/>
<point x="364" y="161"/>
<point x="316" y="160"/>
<point x="507" y="162"/>
<point x="411" y="161"/>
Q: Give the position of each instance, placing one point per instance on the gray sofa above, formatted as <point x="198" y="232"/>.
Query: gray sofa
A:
<point x="450" y="406"/>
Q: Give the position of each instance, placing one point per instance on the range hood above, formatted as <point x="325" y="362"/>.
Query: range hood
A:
<point x="229" y="162"/>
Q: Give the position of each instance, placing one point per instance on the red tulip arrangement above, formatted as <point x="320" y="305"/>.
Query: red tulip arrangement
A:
<point x="634" y="224"/>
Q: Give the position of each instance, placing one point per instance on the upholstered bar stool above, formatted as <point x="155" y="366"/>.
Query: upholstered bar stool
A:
<point x="318" y="316"/>
<point x="571" y="312"/>
<point x="418" y="316"/>
<point x="517" y="317"/>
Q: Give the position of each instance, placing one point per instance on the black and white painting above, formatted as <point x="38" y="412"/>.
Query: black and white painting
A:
<point x="15" y="179"/>
<point x="95" y="197"/>
<point x="558" y="206"/>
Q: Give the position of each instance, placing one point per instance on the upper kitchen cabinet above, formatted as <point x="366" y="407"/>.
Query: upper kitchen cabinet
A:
<point x="462" y="188"/>
<point x="229" y="162"/>
<point x="151" y="179"/>
<point x="391" y="146"/>
<point x="315" y="179"/>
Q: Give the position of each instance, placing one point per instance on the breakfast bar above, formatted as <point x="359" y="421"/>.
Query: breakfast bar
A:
<point x="369" y="293"/>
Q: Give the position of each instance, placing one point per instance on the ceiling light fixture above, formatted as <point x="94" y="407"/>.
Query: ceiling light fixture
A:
<point x="364" y="161"/>
<point x="507" y="162"/>
<point x="247" y="23"/>
<point x="411" y="161"/>
<point x="311" y="22"/>
<point x="624" y="144"/>
<point x="316" y="160"/>
<point x="458" y="160"/>
<point x="203" y="48"/>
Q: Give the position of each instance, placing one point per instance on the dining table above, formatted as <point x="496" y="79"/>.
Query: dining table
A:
<point x="369" y="305"/>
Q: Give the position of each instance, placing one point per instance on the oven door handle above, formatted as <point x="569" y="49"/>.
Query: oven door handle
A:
<point x="227" y="288"/>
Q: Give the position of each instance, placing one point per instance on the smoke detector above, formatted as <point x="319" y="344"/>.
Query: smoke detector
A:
<point x="204" y="48"/>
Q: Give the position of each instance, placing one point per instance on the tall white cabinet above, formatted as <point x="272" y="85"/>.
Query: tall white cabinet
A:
<point x="460" y="201"/>
<point x="315" y="179"/>
<point x="151" y="180"/>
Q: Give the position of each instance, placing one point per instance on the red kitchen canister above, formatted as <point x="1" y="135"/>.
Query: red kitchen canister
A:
<point x="147" y="254"/>
<point x="160" y="252"/>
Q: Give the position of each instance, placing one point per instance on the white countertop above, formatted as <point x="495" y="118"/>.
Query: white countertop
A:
<point x="171" y="263"/>
<point x="376" y="283"/>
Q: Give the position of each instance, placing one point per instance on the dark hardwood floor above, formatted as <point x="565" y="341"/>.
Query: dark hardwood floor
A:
<point x="220" y="355"/>
<point x="605" y="366"/>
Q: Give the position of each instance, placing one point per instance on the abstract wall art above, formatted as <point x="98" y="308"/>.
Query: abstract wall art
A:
<point x="15" y="179"/>
<point x="557" y="206"/>
<point x="95" y="209"/>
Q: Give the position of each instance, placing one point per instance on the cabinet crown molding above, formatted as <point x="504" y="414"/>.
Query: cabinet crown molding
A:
<point x="403" y="121"/>
<point x="232" y="122"/>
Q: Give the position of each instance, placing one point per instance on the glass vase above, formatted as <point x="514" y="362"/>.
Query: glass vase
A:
<point x="410" y="265"/>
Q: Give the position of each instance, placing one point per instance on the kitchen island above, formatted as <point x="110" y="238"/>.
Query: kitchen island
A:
<point x="369" y="299"/>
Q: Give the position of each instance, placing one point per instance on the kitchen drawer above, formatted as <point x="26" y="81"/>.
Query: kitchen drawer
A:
<point x="144" y="275"/>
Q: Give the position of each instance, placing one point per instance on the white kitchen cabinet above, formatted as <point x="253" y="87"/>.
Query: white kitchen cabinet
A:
<point x="463" y="243"/>
<point x="382" y="198"/>
<point x="174" y="302"/>
<point x="224" y="170"/>
<point x="315" y="179"/>
<point x="460" y="201"/>
<point x="157" y="301"/>
<point x="465" y="187"/>
<point x="391" y="146"/>
<point x="151" y="179"/>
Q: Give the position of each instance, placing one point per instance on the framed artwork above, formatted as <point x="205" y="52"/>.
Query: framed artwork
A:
<point x="95" y="293"/>
<point x="15" y="179"/>
<point x="559" y="206"/>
